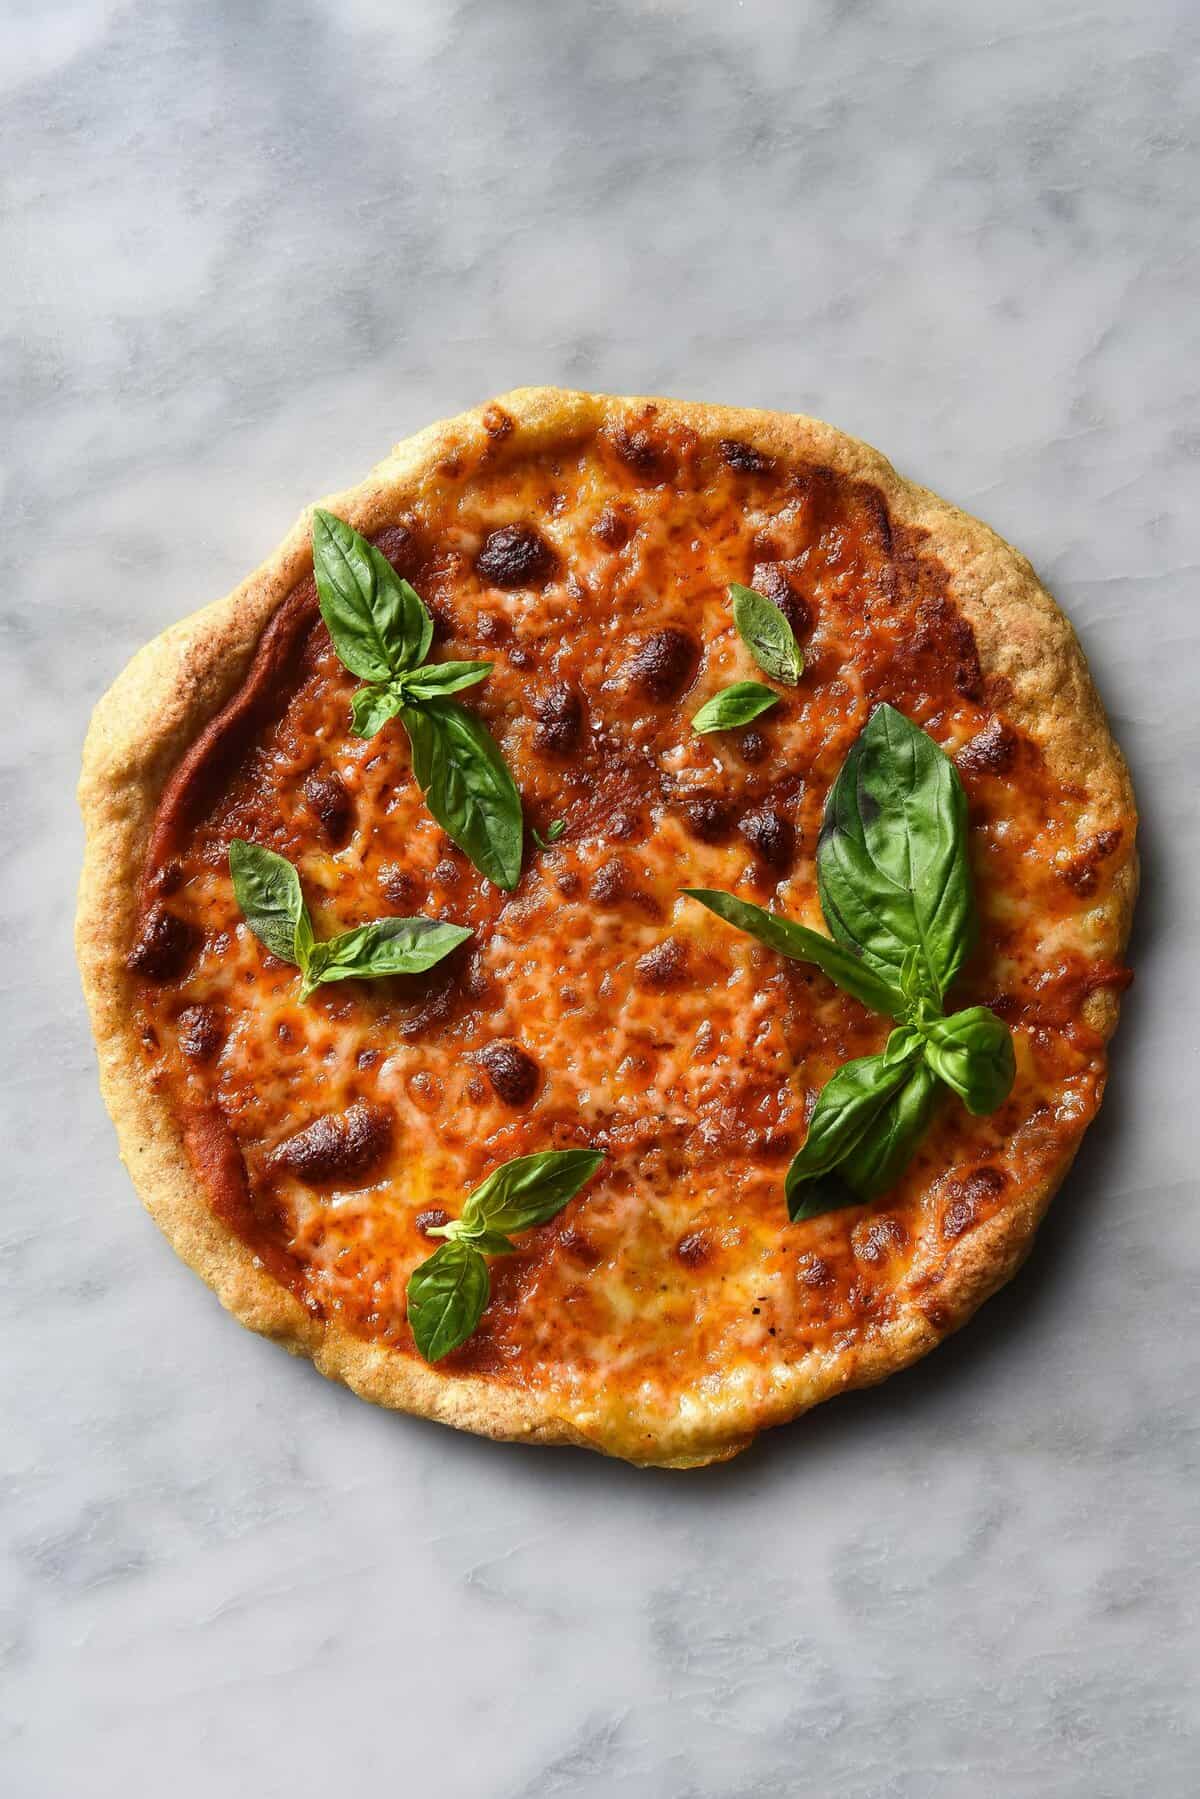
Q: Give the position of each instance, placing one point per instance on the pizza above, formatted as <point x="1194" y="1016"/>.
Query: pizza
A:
<point x="483" y="995"/>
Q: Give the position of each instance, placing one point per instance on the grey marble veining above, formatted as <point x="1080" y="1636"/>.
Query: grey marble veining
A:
<point x="247" y="246"/>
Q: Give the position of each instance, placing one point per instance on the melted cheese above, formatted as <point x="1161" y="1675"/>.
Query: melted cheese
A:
<point x="674" y="1280"/>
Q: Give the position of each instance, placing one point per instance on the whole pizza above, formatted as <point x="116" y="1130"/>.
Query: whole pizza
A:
<point x="610" y="936"/>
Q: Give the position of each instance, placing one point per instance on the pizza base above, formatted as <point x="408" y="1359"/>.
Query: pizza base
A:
<point x="173" y="688"/>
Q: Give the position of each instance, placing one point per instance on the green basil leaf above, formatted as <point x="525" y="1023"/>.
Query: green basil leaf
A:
<point x="488" y="1243"/>
<point x="846" y="1109"/>
<point x="386" y="947"/>
<point x="371" y="707"/>
<point x="467" y="786"/>
<point x="305" y="944"/>
<point x="438" y="678"/>
<point x="267" y="888"/>
<point x="905" y="1042"/>
<point x="824" y="1193"/>
<point x="766" y="634"/>
<point x="378" y="623"/>
<point x="972" y="1052"/>
<point x="528" y="1190"/>
<point x="554" y="831"/>
<point x="310" y="972"/>
<point x="892" y="868"/>
<point x="799" y="944"/>
<point x="447" y="1294"/>
<point x="882" y="1153"/>
<point x="734" y="706"/>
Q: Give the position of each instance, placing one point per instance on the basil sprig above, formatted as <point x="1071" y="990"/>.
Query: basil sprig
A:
<point x="770" y="639"/>
<point x="448" y="1292"/>
<point x="894" y="883"/>
<point x="267" y="889"/>
<point x="382" y="631"/>
<point x="767" y="634"/>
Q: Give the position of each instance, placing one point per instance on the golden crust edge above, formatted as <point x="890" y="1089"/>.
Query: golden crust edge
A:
<point x="183" y="677"/>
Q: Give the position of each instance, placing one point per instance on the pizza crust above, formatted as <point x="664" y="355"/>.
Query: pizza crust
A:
<point x="175" y="686"/>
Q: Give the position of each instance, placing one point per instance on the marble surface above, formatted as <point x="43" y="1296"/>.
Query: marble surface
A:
<point x="245" y="248"/>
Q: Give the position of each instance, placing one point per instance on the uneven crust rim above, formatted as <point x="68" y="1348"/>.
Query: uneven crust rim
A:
<point x="175" y="685"/>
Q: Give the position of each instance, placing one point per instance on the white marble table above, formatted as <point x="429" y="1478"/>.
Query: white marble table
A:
<point x="245" y="247"/>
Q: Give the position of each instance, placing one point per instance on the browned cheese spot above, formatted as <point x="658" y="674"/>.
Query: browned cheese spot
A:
<point x="559" y="714"/>
<point x="744" y="459"/>
<point x="694" y="1249"/>
<point x="200" y="1032"/>
<point x="708" y="818"/>
<point x="991" y="751"/>
<point x="771" y="836"/>
<point x="331" y="805"/>
<point x="164" y="945"/>
<point x="611" y="529"/>
<point x="663" y="966"/>
<point x="515" y="556"/>
<point x="343" y="1146"/>
<point x="512" y="1072"/>
<point x="665" y="665"/>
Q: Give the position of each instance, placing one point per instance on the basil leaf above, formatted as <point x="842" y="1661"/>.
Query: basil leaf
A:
<point x="268" y="891"/>
<point x="467" y="786"/>
<point x="734" y="706"/>
<point x="528" y="1190"/>
<point x="905" y="1043"/>
<point x="766" y="634"/>
<point x="554" y="831"/>
<point x="304" y="939"/>
<point x="437" y="678"/>
<point x="892" y="868"/>
<point x="267" y="888"/>
<point x="446" y="1297"/>
<point x="847" y="1107"/>
<point x="386" y="947"/>
<point x="489" y="1243"/>
<point x="972" y="1052"/>
<point x="378" y="623"/>
<point x="883" y="1151"/>
<point x="371" y="707"/>
<point x="799" y="944"/>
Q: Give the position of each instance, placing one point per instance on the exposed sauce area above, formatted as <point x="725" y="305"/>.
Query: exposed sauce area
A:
<point x="593" y="1006"/>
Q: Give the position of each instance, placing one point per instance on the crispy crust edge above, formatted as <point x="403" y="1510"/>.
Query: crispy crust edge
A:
<point x="175" y="685"/>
